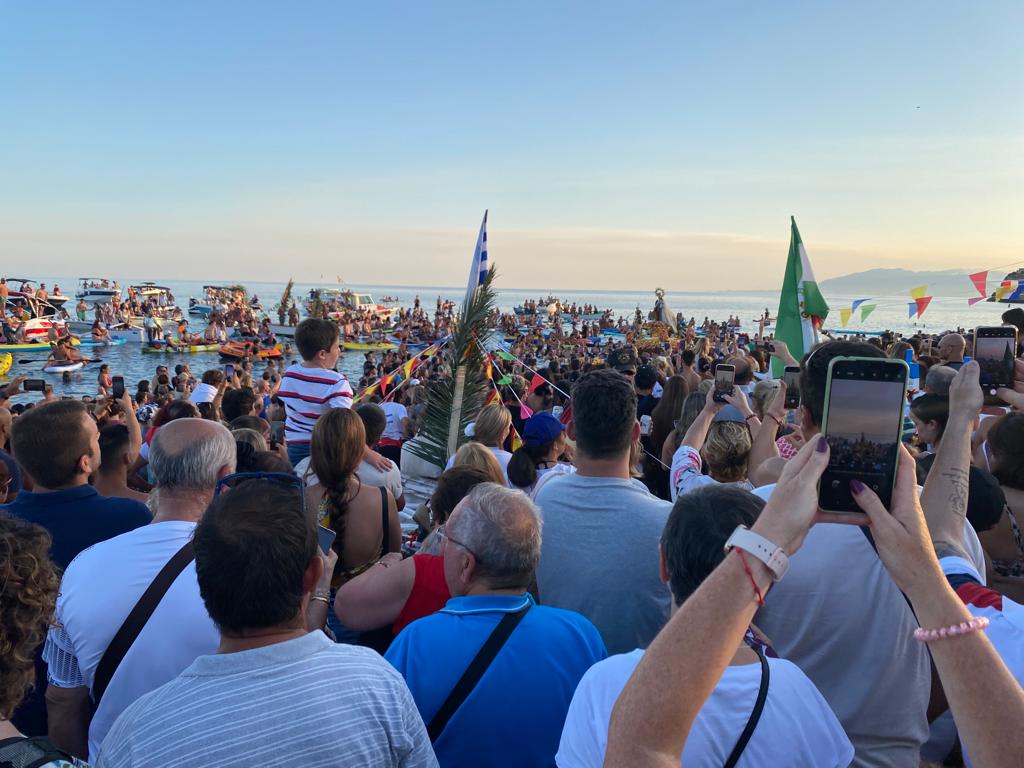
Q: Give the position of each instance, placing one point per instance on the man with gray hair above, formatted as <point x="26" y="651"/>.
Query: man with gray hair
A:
<point x="105" y="650"/>
<point x="492" y="662"/>
<point x="938" y="379"/>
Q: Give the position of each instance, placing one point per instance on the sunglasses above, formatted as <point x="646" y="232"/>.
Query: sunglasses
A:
<point x="284" y="479"/>
<point x="445" y="537"/>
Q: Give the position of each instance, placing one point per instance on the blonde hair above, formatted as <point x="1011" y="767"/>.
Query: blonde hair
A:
<point x="726" y="451"/>
<point x="492" y="425"/>
<point x="474" y="454"/>
<point x="250" y="436"/>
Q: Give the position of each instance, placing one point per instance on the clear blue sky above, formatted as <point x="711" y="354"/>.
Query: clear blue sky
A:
<point x="615" y="144"/>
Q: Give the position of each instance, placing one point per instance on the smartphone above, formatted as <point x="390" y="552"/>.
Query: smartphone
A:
<point x="743" y="339"/>
<point x="229" y="370"/>
<point x="326" y="538"/>
<point x="994" y="349"/>
<point x="117" y="387"/>
<point x="791" y="378"/>
<point x="863" y="422"/>
<point x="33" y="385"/>
<point x="725" y="375"/>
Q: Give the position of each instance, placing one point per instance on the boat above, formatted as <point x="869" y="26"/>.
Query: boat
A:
<point x="96" y="290"/>
<point x="63" y="367"/>
<point x="6" y="360"/>
<point x="338" y="301"/>
<point x="240" y="350"/>
<point x="32" y="347"/>
<point x="133" y="333"/>
<point x="23" y="291"/>
<point x="160" y="296"/>
<point x="162" y="348"/>
<point x="372" y="346"/>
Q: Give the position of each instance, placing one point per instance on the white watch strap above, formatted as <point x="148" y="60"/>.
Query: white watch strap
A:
<point x="772" y="555"/>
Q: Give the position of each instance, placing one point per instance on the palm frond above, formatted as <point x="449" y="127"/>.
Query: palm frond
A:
<point x="286" y="297"/>
<point x="454" y="400"/>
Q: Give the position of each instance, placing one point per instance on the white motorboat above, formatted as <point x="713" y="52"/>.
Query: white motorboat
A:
<point x="96" y="290"/>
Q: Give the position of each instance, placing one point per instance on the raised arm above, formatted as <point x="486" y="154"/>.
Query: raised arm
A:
<point x="132" y="422"/>
<point x="945" y="492"/>
<point x="698" y="430"/>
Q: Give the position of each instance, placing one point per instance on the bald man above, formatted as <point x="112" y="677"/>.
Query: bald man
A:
<point x="951" y="350"/>
<point x="187" y="458"/>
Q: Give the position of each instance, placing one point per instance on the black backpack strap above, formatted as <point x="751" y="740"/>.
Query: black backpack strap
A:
<point x="137" y="619"/>
<point x="475" y="671"/>
<point x="30" y="752"/>
<point x="384" y="521"/>
<point x="755" y="716"/>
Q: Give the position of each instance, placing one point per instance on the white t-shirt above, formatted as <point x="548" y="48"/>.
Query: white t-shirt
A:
<point x="838" y="616"/>
<point x="796" y="728"/>
<point x="395" y="413"/>
<point x="99" y="589"/>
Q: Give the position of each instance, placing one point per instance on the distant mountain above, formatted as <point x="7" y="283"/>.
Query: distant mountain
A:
<point x="891" y="282"/>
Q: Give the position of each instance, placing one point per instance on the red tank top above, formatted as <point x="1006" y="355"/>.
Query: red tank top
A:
<point x="429" y="591"/>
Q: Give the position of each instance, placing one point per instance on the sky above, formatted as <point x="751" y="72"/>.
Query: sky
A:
<point x="615" y="145"/>
<point x="873" y="409"/>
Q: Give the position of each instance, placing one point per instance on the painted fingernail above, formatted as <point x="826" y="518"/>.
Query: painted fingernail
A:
<point x="822" y="445"/>
<point x="857" y="486"/>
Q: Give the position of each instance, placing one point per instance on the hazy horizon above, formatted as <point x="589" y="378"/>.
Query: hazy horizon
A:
<point x="664" y="148"/>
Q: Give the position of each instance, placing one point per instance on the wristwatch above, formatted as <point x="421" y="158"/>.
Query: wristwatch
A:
<point x="772" y="555"/>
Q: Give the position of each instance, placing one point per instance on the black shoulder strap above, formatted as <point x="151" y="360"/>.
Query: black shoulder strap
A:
<point x="30" y="752"/>
<point x="137" y="619"/>
<point x="384" y="522"/>
<point x="475" y="671"/>
<point x="755" y="716"/>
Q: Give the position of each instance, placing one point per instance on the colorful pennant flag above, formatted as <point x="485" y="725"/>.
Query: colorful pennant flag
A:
<point x="517" y="441"/>
<point x="980" y="280"/>
<point x="919" y="292"/>
<point x="922" y="304"/>
<point x="525" y="411"/>
<point x="856" y="303"/>
<point x="866" y="310"/>
<point x="844" y="316"/>
<point x="974" y="300"/>
<point x="1004" y="289"/>
<point x="537" y="381"/>
<point x="911" y="309"/>
<point x="508" y="356"/>
<point x="504" y="380"/>
<point x="478" y="267"/>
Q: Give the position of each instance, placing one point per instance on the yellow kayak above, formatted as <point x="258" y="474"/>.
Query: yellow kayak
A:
<point x="180" y="350"/>
<point x="377" y="346"/>
<point x="6" y="359"/>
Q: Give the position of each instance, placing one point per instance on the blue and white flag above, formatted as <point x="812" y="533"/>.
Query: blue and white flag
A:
<point x="478" y="269"/>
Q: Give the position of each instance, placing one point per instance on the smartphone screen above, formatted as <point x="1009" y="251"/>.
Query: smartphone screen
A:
<point x="33" y="385"/>
<point x="791" y="378"/>
<point x="117" y="386"/>
<point x="863" y="423"/>
<point x="994" y="350"/>
<point x="724" y="377"/>
<point x="326" y="538"/>
<point x="229" y="370"/>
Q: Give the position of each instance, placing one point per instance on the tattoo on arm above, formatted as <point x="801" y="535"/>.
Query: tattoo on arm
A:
<point x="950" y="549"/>
<point x="958" y="479"/>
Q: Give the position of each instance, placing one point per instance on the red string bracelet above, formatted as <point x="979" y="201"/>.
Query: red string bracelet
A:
<point x="750" y="575"/>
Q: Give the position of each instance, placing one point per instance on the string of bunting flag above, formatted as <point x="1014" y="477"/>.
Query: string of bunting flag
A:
<point x="391" y="382"/>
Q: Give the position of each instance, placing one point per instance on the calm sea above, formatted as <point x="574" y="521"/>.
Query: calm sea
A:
<point x="891" y="313"/>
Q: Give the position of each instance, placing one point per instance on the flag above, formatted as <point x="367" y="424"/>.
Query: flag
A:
<point x="488" y="367"/>
<point x="802" y="308"/>
<point x="917" y="293"/>
<point x="1004" y="289"/>
<point x="856" y="303"/>
<point x="525" y="411"/>
<point x="537" y="381"/>
<point x="844" y="316"/>
<point x="478" y="269"/>
<point x="517" y="441"/>
<point x="504" y="380"/>
<point x="505" y="355"/>
<point x="494" y="397"/>
<point x="980" y="280"/>
<point x="410" y="366"/>
<point x="922" y="304"/>
<point x="866" y="310"/>
<point x="974" y="300"/>
<point x="911" y="309"/>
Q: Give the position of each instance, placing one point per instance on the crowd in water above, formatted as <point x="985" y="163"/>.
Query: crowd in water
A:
<point x="619" y="565"/>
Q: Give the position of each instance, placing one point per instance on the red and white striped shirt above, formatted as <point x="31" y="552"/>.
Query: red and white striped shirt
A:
<point x="307" y="393"/>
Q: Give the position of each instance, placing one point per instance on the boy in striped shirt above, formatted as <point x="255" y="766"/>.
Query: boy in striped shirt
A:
<point x="311" y="387"/>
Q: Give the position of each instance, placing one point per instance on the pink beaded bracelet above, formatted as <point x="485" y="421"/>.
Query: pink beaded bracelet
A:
<point x="963" y="628"/>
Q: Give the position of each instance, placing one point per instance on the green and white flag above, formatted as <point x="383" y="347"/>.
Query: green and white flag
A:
<point x="802" y="308"/>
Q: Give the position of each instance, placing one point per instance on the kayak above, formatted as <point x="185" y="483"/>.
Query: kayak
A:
<point x="111" y="343"/>
<point x="6" y="359"/>
<point x="377" y="346"/>
<point x="182" y="350"/>
<point x="63" y="367"/>
<point x="39" y="347"/>
<point x="239" y="350"/>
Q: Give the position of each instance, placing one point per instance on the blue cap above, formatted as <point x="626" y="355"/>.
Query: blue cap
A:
<point x="541" y="428"/>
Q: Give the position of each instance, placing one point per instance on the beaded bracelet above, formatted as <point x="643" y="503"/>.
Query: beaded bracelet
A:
<point x="963" y="628"/>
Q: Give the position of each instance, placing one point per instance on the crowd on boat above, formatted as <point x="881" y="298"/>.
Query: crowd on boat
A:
<point x="309" y="587"/>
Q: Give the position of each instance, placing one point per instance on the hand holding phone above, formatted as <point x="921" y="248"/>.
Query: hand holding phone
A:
<point x="117" y="387"/>
<point x="725" y="376"/>
<point x="791" y="378"/>
<point x="326" y="538"/>
<point x="994" y="349"/>
<point x="33" y="385"/>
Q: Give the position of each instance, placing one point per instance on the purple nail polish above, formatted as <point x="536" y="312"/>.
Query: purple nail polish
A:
<point x="857" y="486"/>
<point x="822" y="445"/>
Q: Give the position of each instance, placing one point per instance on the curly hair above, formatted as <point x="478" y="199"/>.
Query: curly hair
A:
<point x="28" y="594"/>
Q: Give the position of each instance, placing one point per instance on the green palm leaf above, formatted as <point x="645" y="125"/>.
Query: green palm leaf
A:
<point x="454" y="400"/>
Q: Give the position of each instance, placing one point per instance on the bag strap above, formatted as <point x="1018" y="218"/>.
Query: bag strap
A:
<point x="755" y="716"/>
<point x="475" y="671"/>
<point x="384" y="522"/>
<point x="30" y="752"/>
<point x="137" y="619"/>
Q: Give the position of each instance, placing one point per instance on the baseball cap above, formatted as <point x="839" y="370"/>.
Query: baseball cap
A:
<point x="541" y="428"/>
<point x="646" y="377"/>
<point x="623" y="359"/>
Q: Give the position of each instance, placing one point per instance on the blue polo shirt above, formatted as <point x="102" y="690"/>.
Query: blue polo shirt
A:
<point x="513" y="718"/>
<point x="76" y="518"/>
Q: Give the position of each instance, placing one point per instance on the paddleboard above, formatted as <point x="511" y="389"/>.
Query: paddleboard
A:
<point x="355" y="346"/>
<point x="40" y="347"/>
<point x="183" y="350"/>
<point x="64" y="368"/>
<point x="111" y="343"/>
<point x="6" y="359"/>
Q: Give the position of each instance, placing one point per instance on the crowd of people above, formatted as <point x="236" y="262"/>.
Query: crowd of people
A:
<point x="616" y="567"/>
